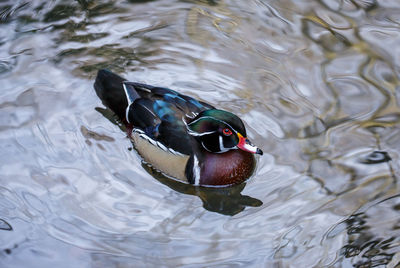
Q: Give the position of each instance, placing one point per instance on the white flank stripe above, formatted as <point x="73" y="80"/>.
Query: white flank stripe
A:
<point x="175" y="152"/>
<point x="156" y="143"/>
<point x="138" y="131"/>
<point x="196" y="171"/>
<point x="152" y="141"/>
<point x="159" y="144"/>
<point x="144" y="136"/>
<point x="172" y="151"/>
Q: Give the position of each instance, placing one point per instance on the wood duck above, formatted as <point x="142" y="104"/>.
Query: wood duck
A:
<point x="182" y="137"/>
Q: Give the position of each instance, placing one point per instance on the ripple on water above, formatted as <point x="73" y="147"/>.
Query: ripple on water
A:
<point x="315" y="81"/>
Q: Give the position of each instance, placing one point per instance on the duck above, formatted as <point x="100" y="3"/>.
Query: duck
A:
<point x="184" y="138"/>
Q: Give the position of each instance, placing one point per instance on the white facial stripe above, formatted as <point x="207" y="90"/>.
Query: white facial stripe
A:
<point x="212" y="118"/>
<point x="221" y="145"/>
<point x="202" y="143"/>
<point x="197" y="134"/>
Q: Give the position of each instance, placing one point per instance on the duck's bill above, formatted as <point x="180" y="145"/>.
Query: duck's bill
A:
<point x="245" y="145"/>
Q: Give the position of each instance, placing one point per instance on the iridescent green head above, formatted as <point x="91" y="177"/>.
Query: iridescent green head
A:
<point x="219" y="131"/>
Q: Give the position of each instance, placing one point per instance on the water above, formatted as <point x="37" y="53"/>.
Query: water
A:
<point x="317" y="83"/>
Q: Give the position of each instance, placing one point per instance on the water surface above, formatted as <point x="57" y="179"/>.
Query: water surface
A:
<point x="317" y="83"/>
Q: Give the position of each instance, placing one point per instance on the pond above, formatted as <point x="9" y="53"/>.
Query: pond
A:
<point x="316" y="82"/>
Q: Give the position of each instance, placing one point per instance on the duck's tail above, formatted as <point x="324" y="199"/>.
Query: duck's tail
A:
<point x="110" y="90"/>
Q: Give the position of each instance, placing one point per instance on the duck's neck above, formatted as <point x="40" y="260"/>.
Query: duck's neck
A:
<point x="231" y="167"/>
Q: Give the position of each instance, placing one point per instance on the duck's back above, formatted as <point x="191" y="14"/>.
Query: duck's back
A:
<point x="158" y="112"/>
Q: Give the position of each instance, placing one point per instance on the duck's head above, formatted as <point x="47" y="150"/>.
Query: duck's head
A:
<point x="219" y="131"/>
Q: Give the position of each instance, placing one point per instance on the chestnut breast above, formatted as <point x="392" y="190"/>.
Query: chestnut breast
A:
<point x="231" y="167"/>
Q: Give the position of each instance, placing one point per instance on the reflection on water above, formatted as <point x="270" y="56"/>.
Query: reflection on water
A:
<point x="373" y="234"/>
<point x="317" y="83"/>
<point x="226" y="201"/>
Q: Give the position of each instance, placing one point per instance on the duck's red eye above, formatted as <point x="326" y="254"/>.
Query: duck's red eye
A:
<point x="227" y="132"/>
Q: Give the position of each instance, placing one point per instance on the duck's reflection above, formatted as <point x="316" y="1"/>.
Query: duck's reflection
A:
<point x="226" y="200"/>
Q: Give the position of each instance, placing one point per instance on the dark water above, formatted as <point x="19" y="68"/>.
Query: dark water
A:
<point x="317" y="83"/>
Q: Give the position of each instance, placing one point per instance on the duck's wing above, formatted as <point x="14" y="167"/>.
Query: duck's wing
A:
<point x="160" y="112"/>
